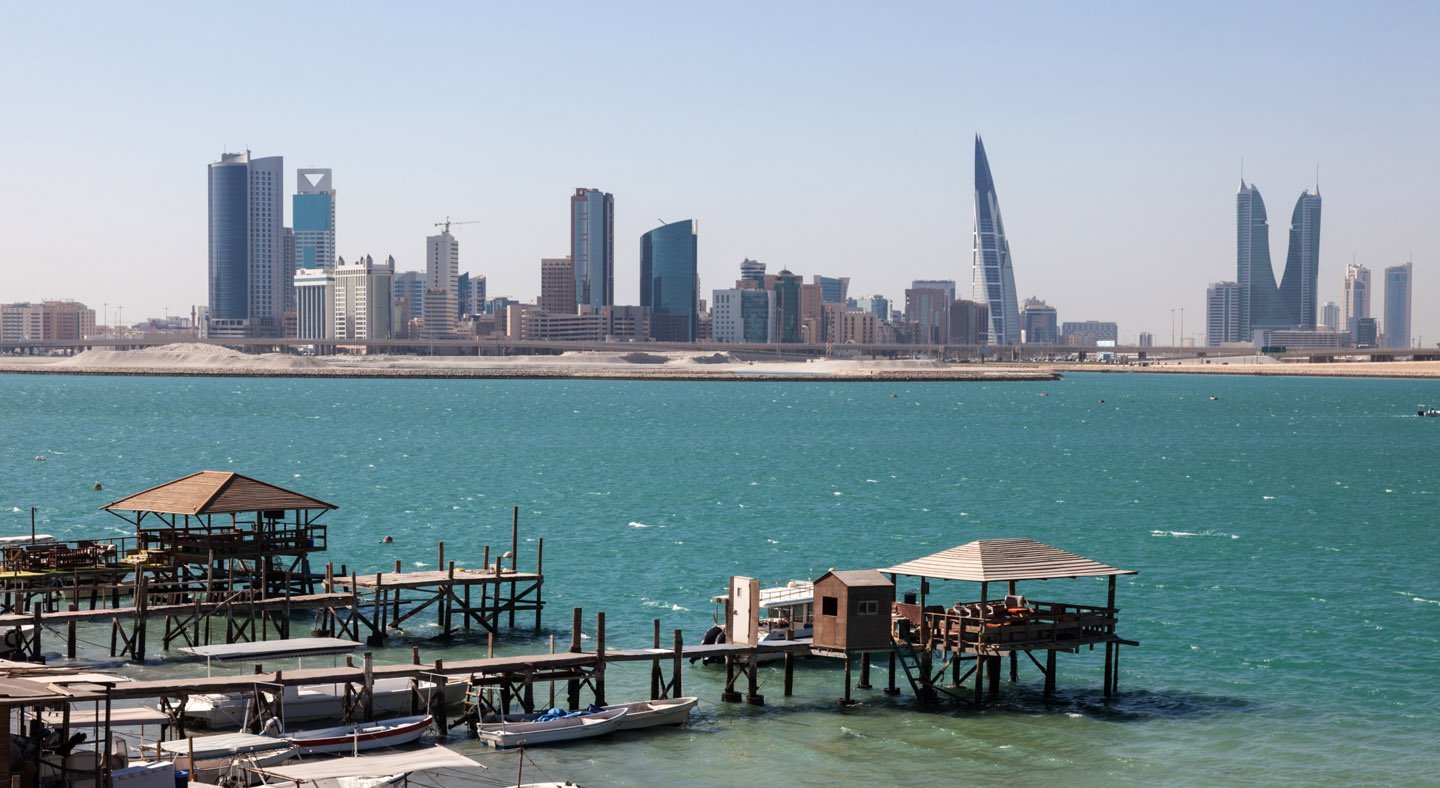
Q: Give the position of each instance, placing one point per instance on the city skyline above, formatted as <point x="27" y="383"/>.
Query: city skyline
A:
<point x="796" y="156"/>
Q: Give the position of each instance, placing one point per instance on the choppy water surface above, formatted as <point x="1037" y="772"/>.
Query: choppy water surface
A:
<point x="1288" y="600"/>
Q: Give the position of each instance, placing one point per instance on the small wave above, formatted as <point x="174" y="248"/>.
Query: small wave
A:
<point x="16" y="509"/>
<point x="871" y="481"/>
<point x="837" y="492"/>
<point x="647" y="602"/>
<point x="1180" y="534"/>
<point x="1268" y="497"/>
<point x="419" y="564"/>
<point x="636" y="524"/>
<point x="1423" y="600"/>
<point x="772" y="541"/>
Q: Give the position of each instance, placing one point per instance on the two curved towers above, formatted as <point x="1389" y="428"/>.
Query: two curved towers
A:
<point x="1262" y="304"/>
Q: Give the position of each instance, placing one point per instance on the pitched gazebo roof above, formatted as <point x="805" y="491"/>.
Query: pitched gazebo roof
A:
<point x="991" y="560"/>
<point x="216" y="492"/>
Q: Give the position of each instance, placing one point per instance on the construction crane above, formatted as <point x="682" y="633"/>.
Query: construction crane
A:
<point x="446" y="224"/>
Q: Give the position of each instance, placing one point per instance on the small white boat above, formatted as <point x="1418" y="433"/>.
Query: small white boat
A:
<point x="312" y="702"/>
<point x="654" y="713"/>
<point x="361" y="736"/>
<point x="224" y="757"/>
<point x="523" y="729"/>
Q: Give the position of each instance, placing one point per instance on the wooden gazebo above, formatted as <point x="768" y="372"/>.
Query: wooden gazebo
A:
<point x="997" y="625"/>
<point x="225" y="521"/>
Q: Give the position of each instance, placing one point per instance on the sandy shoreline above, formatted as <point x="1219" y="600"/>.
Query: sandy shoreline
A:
<point x="196" y="360"/>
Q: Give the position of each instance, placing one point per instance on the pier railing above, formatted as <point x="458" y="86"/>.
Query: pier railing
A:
<point x="235" y="542"/>
<point x="966" y="628"/>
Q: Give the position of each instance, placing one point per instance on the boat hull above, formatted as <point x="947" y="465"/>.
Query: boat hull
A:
<point x="306" y="704"/>
<point x="655" y="713"/>
<point x="361" y="736"/>
<point x="511" y="734"/>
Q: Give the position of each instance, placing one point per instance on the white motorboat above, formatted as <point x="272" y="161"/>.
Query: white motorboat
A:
<point x="313" y="702"/>
<point x="530" y="730"/>
<point x="361" y="736"/>
<point x="787" y="610"/>
<point x="654" y="713"/>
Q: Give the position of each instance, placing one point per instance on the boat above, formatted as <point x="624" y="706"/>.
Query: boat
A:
<point x="361" y="736"/>
<point x="1427" y="411"/>
<point x="654" y="713"/>
<point x="784" y="610"/>
<point x="226" y="756"/>
<point x="221" y="710"/>
<point x="530" y="730"/>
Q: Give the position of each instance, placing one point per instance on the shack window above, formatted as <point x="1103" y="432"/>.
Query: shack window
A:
<point x="829" y="606"/>
<point x="867" y="607"/>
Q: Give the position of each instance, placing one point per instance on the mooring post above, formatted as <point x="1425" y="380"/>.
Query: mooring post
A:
<point x="447" y="601"/>
<point x="994" y="677"/>
<point x="789" y="673"/>
<point x="539" y="580"/>
<point x="675" y="667"/>
<point x="890" y="688"/>
<point x="864" y="671"/>
<point x="846" y="700"/>
<point x="752" y="680"/>
<point x="572" y="687"/>
<point x="395" y="611"/>
<point x="979" y="679"/>
<point x="655" y="664"/>
<point x="441" y="562"/>
<point x="142" y="610"/>
<point x="35" y="653"/>
<point x="437" y="697"/>
<point x="600" y="658"/>
<point x="729" y="695"/>
<point x="70" y="637"/>
<point x="368" y="676"/>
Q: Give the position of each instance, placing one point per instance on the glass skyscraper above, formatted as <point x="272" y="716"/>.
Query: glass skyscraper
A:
<point x="592" y="246"/>
<point x="1260" y="304"/>
<point x="670" y="281"/>
<point x="247" y="280"/>
<point x="1397" y="306"/>
<point x="313" y="215"/>
<point x="1302" y="263"/>
<point x="993" y="278"/>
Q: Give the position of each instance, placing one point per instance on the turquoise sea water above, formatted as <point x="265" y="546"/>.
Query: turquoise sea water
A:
<point x="1288" y="600"/>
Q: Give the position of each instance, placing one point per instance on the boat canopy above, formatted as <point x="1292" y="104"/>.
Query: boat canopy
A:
<point x="436" y="757"/>
<point x="222" y="745"/>
<point x="119" y="717"/>
<point x="273" y="649"/>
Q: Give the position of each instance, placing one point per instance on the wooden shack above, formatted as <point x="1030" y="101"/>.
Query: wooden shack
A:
<point x="852" y="611"/>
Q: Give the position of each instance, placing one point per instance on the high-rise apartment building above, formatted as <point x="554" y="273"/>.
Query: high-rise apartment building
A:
<point x="1396" y="327"/>
<point x="1222" y="314"/>
<point x="992" y="276"/>
<point x="670" y="281"/>
<point x="927" y="310"/>
<point x="363" y="299"/>
<point x="1330" y="316"/>
<point x="1302" y="262"/>
<point x="948" y="285"/>
<point x="557" y="285"/>
<point x="1040" y="322"/>
<point x="743" y="316"/>
<point x="247" y="276"/>
<point x="592" y="246"/>
<point x="442" y="285"/>
<point x="1356" y="294"/>
<point x="969" y="320"/>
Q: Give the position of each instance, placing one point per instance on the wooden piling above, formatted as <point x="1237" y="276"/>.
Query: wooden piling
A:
<point x="572" y="687"/>
<point x="676" y="689"/>
<point x="864" y="672"/>
<point x="70" y="637"/>
<point x="846" y="700"/>
<point x="655" y="666"/>
<point x="600" y="658"/>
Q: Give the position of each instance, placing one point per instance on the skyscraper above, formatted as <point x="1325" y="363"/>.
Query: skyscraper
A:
<point x="1357" y="295"/>
<point x="1041" y="322"/>
<point x="442" y="284"/>
<point x="313" y="215"/>
<point x="833" y="289"/>
<point x="670" y="281"/>
<point x="1330" y="316"/>
<point x="992" y="276"/>
<point x="363" y="302"/>
<point x="1302" y="262"/>
<point x="592" y="246"/>
<point x="1260" y="305"/>
<point x="247" y="280"/>
<point x="787" y="306"/>
<point x="753" y="271"/>
<point x="1222" y="313"/>
<point x="1397" y="306"/>
<point x="948" y="285"/>
<point x="557" y="285"/>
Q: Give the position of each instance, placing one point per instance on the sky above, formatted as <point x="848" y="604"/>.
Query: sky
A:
<point x="831" y="138"/>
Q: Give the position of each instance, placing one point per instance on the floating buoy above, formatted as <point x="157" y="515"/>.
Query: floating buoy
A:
<point x="1102" y="402"/>
<point x="98" y="487"/>
<point x="39" y="458"/>
<point x="1214" y="397"/>
<point x="387" y="540"/>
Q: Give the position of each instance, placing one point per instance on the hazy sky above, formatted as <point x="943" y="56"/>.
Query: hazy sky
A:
<point x="830" y="138"/>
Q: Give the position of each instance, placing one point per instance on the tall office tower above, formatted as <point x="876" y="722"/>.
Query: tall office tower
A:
<point x="363" y="299"/>
<point x="472" y="295"/>
<point x="670" y="281"/>
<point x="557" y="285"/>
<point x="1040" y="321"/>
<point x="787" y="306"/>
<point x="442" y="284"/>
<point x="1397" y="306"/>
<point x="314" y="303"/>
<point x="1330" y="316"/>
<point x="753" y="271"/>
<point x="287" y="241"/>
<point x="992" y="276"/>
<point x="1260" y="303"/>
<point x="592" y="246"/>
<point x="968" y="322"/>
<point x="246" y="246"/>
<point x="948" y="285"/>
<point x="1357" y="295"/>
<point x="312" y="212"/>
<point x="1302" y="262"/>
<point x="743" y="315"/>
<point x="928" y="310"/>
<point x="833" y="289"/>
<point x="1222" y="313"/>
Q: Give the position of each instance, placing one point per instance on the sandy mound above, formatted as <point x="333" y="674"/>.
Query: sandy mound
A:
<point x="186" y="355"/>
